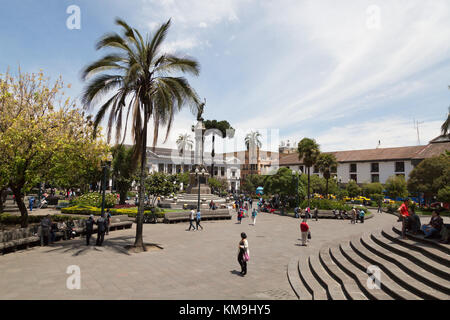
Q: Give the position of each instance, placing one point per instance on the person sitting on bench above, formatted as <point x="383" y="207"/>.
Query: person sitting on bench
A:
<point x="434" y="227"/>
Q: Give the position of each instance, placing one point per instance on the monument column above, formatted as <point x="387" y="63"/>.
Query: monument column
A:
<point x="198" y="129"/>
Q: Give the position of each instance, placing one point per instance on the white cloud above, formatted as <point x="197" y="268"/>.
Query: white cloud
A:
<point x="202" y="25"/>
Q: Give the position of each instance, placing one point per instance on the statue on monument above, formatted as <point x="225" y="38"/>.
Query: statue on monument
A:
<point x="200" y="108"/>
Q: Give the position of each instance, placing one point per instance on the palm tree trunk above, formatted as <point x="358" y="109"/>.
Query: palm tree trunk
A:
<point x="326" y="189"/>
<point x="309" y="194"/>
<point x="139" y="243"/>
<point x="212" y="157"/>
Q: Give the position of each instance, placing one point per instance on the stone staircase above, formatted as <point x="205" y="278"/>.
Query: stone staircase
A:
<point x="412" y="269"/>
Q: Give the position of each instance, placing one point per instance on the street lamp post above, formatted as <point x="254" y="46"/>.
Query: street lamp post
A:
<point x="106" y="164"/>
<point x="296" y="175"/>
<point x="199" y="173"/>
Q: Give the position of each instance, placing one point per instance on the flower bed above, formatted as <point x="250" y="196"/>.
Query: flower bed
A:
<point x="87" y="210"/>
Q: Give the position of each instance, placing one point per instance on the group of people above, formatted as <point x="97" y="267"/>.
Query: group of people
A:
<point x="411" y="223"/>
<point x="50" y="228"/>
<point x="197" y="217"/>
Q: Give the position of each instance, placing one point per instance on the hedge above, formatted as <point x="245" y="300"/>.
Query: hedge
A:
<point x="131" y="212"/>
<point x="10" y="219"/>
<point x="94" y="199"/>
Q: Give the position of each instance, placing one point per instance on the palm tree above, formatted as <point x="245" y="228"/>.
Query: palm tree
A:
<point x="309" y="150"/>
<point x="252" y="140"/>
<point x="184" y="142"/>
<point x="141" y="85"/>
<point x="327" y="163"/>
<point x="446" y="125"/>
<point x="219" y="128"/>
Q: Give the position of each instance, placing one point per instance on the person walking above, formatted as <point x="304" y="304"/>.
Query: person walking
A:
<point x="379" y="207"/>
<point x="304" y="229"/>
<point x="198" y="219"/>
<point x="191" y="220"/>
<point x="254" y="214"/>
<point x="316" y="214"/>
<point x="240" y="215"/>
<point x="101" y="228"/>
<point x="361" y="215"/>
<point x="250" y="200"/>
<point x="307" y="211"/>
<point x="89" y="228"/>
<point x="243" y="254"/>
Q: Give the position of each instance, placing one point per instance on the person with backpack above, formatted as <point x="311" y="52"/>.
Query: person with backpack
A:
<point x="304" y="229"/>
<point x="198" y="219"/>
<point x="316" y="214"/>
<point x="191" y="220"/>
<point x="361" y="215"/>
<point x="243" y="254"/>
<point x="101" y="228"/>
<point x="89" y="228"/>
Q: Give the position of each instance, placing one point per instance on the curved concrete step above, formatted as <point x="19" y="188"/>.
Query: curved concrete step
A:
<point x="296" y="283"/>
<point x="332" y="288"/>
<point x="396" y="274"/>
<point x="442" y="247"/>
<point x="387" y="285"/>
<point x="426" y="277"/>
<point x="358" y="276"/>
<point x="348" y="285"/>
<point x="418" y="259"/>
<point x="425" y="249"/>
<point x="309" y="281"/>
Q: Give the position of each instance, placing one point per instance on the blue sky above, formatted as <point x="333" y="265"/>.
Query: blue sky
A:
<point x="347" y="73"/>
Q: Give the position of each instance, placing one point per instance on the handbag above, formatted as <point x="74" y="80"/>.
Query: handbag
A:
<point x="309" y="235"/>
<point x="246" y="257"/>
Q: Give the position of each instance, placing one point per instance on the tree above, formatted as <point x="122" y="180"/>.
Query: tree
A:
<point x="159" y="184"/>
<point x="396" y="187"/>
<point x="40" y="134"/>
<point x="123" y="170"/>
<point x="251" y="182"/>
<point x="309" y="151"/>
<point x="327" y="163"/>
<point x="353" y="189"/>
<point x="143" y="86"/>
<point x="283" y="184"/>
<point x="429" y="176"/>
<point x="217" y="127"/>
<point x="218" y="184"/>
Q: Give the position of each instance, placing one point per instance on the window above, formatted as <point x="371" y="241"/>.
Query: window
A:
<point x="222" y="171"/>
<point x="316" y="169"/>
<point x="400" y="167"/>
<point x="161" y="167"/>
<point x="375" y="178"/>
<point x="302" y="169"/>
<point x="169" y="168"/>
<point x="353" y="177"/>
<point x="233" y="173"/>
<point x="352" y="167"/>
<point x="186" y="168"/>
<point x="178" y="168"/>
<point x="374" y="167"/>
<point x="334" y="169"/>
<point x="216" y="171"/>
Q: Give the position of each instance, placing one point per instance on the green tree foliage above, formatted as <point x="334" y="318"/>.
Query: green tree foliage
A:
<point x="43" y="137"/>
<point x="370" y="189"/>
<point x="218" y="184"/>
<point x="283" y="183"/>
<point x="94" y="199"/>
<point x="444" y="194"/>
<point x="353" y="189"/>
<point x="139" y="77"/>
<point x="123" y="169"/>
<point x="430" y="175"/>
<point x="159" y="184"/>
<point x="251" y="182"/>
<point x="396" y="187"/>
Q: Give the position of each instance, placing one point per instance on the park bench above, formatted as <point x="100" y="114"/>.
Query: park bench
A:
<point x="22" y="237"/>
<point x="218" y="214"/>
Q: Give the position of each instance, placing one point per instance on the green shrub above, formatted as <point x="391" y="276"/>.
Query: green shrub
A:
<point x="9" y="219"/>
<point x="94" y="199"/>
<point x="131" y="212"/>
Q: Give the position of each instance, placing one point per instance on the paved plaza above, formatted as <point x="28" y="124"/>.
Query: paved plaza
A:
<point x="191" y="265"/>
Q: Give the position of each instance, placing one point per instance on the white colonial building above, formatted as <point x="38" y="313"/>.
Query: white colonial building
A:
<point x="374" y="165"/>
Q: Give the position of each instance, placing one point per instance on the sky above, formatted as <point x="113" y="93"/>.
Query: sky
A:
<point x="349" y="74"/>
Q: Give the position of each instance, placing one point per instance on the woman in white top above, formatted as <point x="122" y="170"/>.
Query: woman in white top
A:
<point x="243" y="253"/>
